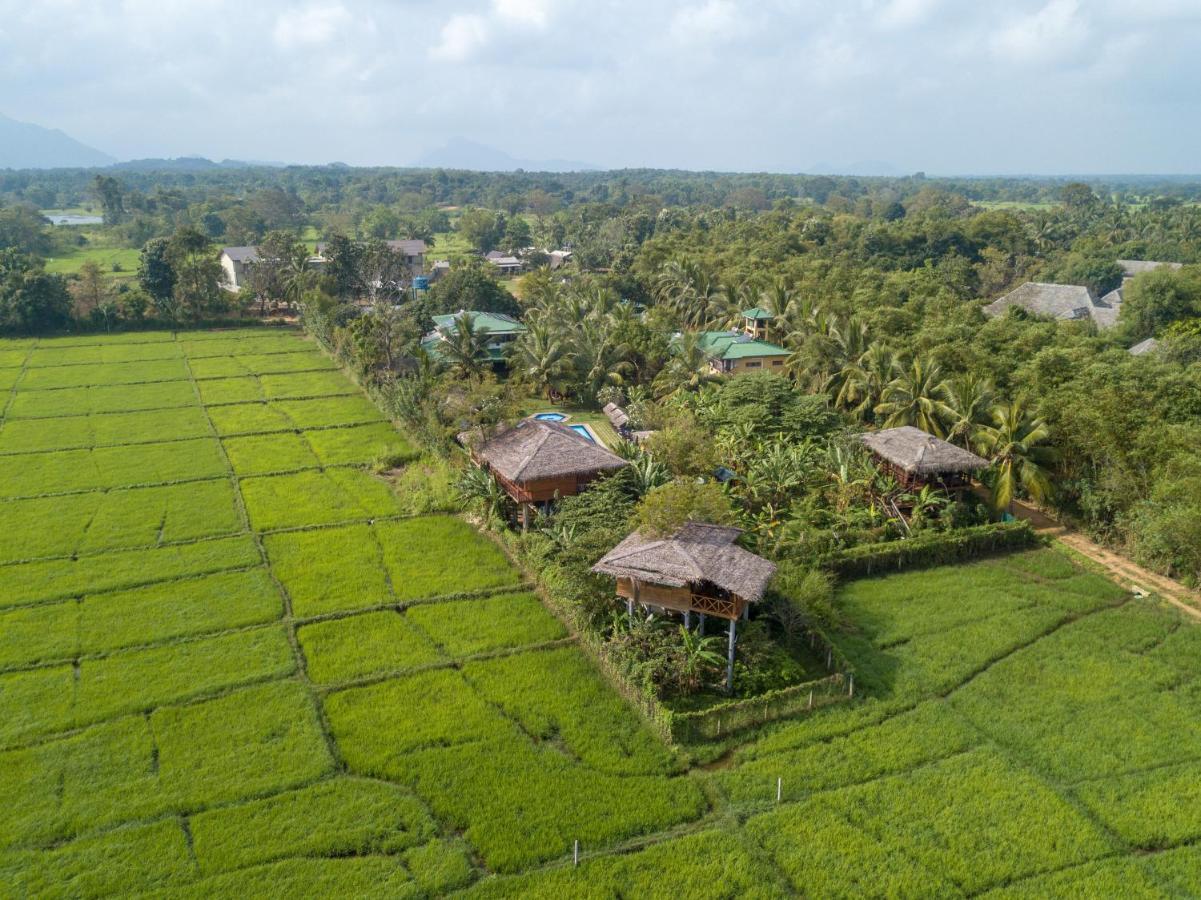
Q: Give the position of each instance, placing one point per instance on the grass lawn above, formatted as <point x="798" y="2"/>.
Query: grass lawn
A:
<point x="231" y="664"/>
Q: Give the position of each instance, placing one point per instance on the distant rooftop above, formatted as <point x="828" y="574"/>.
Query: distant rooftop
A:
<point x="758" y="313"/>
<point x="1150" y="345"/>
<point x="241" y="254"/>
<point x="535" y="450"/>
<point x="919" y="452"/>
<point x="1132" y="267"/>
<point x="482" y="322"/>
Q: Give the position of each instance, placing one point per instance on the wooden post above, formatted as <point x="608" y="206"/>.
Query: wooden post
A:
<point x="730" y="658"/>
<point x="630" y="607"/>
<point x="687" y="620"/>
<point x="525" y="517"/>
<point x="575" y="856"/>
<point x="850" y="685"/>
<point x="701" y="626"/>
<point x="779" y="789"/>
<point x="746" y="613"/>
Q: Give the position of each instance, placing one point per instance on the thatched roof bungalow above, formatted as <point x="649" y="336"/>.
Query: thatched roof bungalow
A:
<point x="916" y="458"/>
<point x="616" y="415"/>
<point x="697" y="569"/>
<point x="535" y="461"/>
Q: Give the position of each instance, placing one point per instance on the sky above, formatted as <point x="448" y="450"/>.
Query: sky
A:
<point x="941" y="86"/>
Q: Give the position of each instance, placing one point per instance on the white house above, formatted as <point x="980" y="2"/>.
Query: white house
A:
<point x="235" y="262"/>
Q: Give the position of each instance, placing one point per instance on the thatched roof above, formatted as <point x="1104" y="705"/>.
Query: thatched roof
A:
<point x="533" y="450"/>
<point x="919" y="452"/>
<point x="616" y="415"/>
<point x="1132" y="267"/>
<point x="694" y="554"/>
<point x="1059" y="301"/>
<point x="1150" y="345"/>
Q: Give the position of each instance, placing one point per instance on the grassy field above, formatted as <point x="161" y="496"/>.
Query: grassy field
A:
<point x="115" y="261"/>
<point x="230" y="667"/>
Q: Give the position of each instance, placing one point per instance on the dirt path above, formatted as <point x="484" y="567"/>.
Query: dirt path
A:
<point x="1122" y="570"/>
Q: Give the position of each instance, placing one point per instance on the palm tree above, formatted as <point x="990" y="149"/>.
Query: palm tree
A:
<point x="466" y="352"/>
<point x="970" y="400"/>
<point x="916" y="396"/>
<point x="688" y="369"/>
<point x="1017" y="443"/>
<point x="699" y="657"/>
<point x="865" y="380"/>
<point x="540" y="356"/>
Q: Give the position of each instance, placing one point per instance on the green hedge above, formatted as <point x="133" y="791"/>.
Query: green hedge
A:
<point x="931" y="549"/>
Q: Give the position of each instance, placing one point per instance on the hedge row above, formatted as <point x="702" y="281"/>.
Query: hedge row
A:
<point x="933" y="548"/>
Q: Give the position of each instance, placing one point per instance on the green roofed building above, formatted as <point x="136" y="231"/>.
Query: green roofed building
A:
<point x="756" y="321"/>
<point x="736" y="353"/>
<point x="501" y="330"/>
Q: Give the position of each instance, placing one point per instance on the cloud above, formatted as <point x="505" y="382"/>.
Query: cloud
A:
<point x="710" y="22"/>
<point x="1054" y="33"/>
<point x="523" y="13"/>
<point x="311" y="27"/>
<point x="905" y="13"/>
<point x="461" y="37"/>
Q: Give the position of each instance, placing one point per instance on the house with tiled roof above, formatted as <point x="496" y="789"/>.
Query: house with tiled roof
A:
<point x="500" y="329"/>
<point x="736" y="353"/>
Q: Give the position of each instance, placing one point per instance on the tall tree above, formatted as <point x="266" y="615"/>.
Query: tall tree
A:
<point x="155" y="274"/>
<point x="31" y="300"/>
<point x="1018" y="443"/>
<point x="916" y="396"/>
<point x="197" y="291"/>
<point x="111" y="194"/>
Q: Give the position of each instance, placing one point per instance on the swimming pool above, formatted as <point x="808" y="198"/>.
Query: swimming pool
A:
<point x="584" y="430"/>
<point x="550" y="417"/>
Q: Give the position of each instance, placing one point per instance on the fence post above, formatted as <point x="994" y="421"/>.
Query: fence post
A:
<point x="850" y="685"/>
<point x="779" y="789"/>
<point x="575" y="856"/>
<point x="811" y="699"/>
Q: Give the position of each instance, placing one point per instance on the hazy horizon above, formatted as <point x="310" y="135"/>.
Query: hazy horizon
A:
<point x="1037" y="87"/>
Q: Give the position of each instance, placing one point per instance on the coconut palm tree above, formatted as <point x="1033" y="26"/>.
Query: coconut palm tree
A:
<point x="916" y="396"/>
<point x="865" y="380"/>
<point x="688" y="369"/>
<point x="540" y="355"/>
<point x="1018" y="443"/>
<point x="970" y="400"/>
<point x="467" y="350"/>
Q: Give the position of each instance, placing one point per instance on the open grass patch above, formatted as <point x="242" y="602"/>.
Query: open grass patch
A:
<point x="106" y="429"/>
<point x="358" y="444"/>
<point x="328" y="412"/>
<point x="266" y="454"/>
<point x="341" y="817"/>
<point x="249" y="344"/>
<point x="44" y="633"/>
<point x="368" y="644"/>
<point x="1066" y="704"/>
<point x="307" y="384"/>
<point x="9" y="378"/>
<point x="492" y="623"/>
<point x="176" y="609"/>
<point x="259" y="364"/>
<point x="558" y="697"/>
<point x="434" y="556"/>
<point x="106" y="399"/>
<point x="974" y="819"/>
<point x="928" y="733"/>
<point x="249" y="742"/>
<point x="520" y="804"/>
<point x="248" y="418"/>
<point x="1152" y="809"/>
<point x="139" y="857"/>
<point x="366" y="877"/>
<point x="54" y="579"/>
<point x="114" y="373"/>
<point x="34" y="474"/>
<point x="315" y="498"/>
<point x="329" y="570"/>
<point x="134" y="517"/>
<point x="711" y="865"/>
<point x="244" y="389"/>
<point x="139" y="680"/>
<point x="103" y="354"/>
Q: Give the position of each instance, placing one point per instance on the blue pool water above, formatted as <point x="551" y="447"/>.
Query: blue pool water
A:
<point x="550" y="417"/>
<point x="584" y="430"/>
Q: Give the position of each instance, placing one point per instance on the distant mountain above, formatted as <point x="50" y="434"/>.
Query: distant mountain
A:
<point x="191" y="164"/>
<point x="868" y="167"/>
<point x="460" y="153"/>
<point x="27" y="146"/>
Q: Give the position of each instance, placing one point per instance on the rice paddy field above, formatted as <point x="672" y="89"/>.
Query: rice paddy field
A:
<point x="230" y="667"/>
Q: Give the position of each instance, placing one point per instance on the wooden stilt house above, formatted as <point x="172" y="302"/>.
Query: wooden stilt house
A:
<point x="916" y="458"/>
<point x="537" y="461"/>
<point x="699" y="569"/>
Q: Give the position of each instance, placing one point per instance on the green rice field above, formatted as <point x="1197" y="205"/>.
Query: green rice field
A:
<point x="230" y="666"/>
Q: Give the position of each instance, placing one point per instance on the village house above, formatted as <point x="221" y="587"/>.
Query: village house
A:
<point x="235" y="264"/>
<point x="915" y="459"/>
<point x="736" y="353"/>
<point x="698" y="569"/>
<point x="537" y="461"/>
<point x="503" y="263"/>
<point x="500" y="329"/>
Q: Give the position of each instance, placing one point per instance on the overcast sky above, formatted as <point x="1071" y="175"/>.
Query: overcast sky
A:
<point x="944" y="86"/>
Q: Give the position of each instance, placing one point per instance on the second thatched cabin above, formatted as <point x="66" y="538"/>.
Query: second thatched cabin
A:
<point x="916" y="458"/>
<point x="537" y="461"/>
